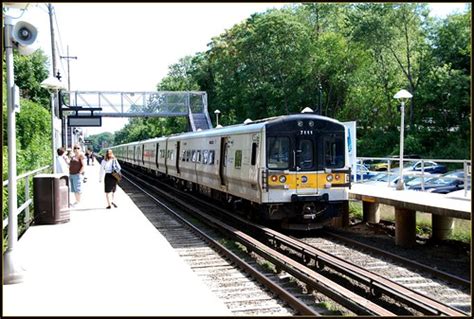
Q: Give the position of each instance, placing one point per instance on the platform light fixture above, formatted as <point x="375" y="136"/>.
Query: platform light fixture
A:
<point x="402" y="96"/>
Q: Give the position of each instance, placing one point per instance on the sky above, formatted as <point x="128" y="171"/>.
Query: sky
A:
<point x="129" y="47"/>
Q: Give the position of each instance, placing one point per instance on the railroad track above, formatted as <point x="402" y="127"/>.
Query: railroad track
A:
<point x="242" y="294"/>
<point x="384" y="295"/>
<point x="454" y="292"/>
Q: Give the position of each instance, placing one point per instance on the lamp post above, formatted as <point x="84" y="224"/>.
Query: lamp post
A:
<point x="22" y="36"/>
<point x="52" y="84"/>
<point x="320" y="87"/>
<point x="12" y="271"/>
<point x="217" y="112"/>
<point x="402" y="96"/>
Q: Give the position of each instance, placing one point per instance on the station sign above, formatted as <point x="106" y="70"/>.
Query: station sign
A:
<point x="84" y="121"/>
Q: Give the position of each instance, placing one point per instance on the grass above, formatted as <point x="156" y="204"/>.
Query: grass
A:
<point x="461" y="231"/>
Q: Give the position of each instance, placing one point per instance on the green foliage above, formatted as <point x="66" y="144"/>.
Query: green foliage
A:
<point x="30" y="71"/>
<point x="98" y="140"/>
<point x="345" y="61"/>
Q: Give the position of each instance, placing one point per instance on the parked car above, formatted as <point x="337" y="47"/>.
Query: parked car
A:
<point x="446" y="183"/>
<point x="382" y="179"/>
<point x="417" y="180"/>
<point x="394" y="162"/>
<point x="362" y="173"/>
<point x="428" y="167"/>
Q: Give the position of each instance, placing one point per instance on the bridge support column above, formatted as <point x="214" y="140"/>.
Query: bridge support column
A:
<point x="405" y="227"/>
<point x="371" y="212"/>
<point x="442" y="227"/>
<point x="343" y="220"/>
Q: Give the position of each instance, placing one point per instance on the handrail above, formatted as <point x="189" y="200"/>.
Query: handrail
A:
<point x="26" y="205"/>
<point x="466" y="168"/>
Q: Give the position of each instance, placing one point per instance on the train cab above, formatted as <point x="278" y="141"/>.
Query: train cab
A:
<point x="307" y="165"/>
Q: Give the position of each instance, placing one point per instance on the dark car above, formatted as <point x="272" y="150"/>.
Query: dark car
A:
<point x="446" y="183"/>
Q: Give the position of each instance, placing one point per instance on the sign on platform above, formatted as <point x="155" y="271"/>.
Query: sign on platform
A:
<point x="82" y="121"/>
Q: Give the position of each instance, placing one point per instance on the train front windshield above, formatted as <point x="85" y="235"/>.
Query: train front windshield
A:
<point x="293" y="148"/>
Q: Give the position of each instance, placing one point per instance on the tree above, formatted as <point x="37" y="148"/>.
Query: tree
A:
<point x="178" y="78"/>
<point x="30" y="71"/>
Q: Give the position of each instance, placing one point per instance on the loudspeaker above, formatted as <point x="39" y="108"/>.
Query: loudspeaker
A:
<point x="24" y="34"/>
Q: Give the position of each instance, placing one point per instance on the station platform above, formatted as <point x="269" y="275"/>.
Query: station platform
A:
<point x="438" y="204"/>
<point x="105" y="262"/>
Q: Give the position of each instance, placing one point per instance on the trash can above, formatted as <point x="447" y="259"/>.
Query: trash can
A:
<point x="51" y="198"/>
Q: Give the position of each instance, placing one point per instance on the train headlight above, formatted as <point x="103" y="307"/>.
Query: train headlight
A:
<point x="329" y="178"/>
<point x="274" y="178"/>
<point x="282" y="178"/>
<point x="337" y="177"/>
<point x="304" y="179"/>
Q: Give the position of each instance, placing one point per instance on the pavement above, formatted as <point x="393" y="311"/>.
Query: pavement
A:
<point x="104" y="262"/>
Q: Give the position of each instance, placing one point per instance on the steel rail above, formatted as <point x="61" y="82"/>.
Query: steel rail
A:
<point x="343" y="296"/>
<point x="415" y="265"/>
<point x="375" y="282"/>
<point x="295" y="303"/>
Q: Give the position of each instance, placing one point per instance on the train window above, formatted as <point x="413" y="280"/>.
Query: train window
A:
<point x="183" y="158"/>
<point x="333" y="151"/>
<point x="205" y="156"/>
<point x="238" y="159"/>
<point x="198" y="157"/>
<point x="211" y="158"/>
<point x="254" y="154"/>
<point x="305" y="154"/>
<point x="194" y="156"/>
<point x="277" y="152"/>
<point x="188" y="155"/>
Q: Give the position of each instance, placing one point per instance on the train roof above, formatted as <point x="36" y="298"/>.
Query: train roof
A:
<point x="252" y="126"/>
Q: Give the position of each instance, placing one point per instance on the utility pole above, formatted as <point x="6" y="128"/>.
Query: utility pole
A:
<point x="65" y="128"/>
<point x="53" y="43"/>
<point x="68" y="70"/>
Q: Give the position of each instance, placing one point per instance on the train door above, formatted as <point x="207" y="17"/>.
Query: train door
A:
<point x="177" y="157"/>
<point x="223" y="161"/>
<point x="306" y="177"/>
<point x="157" y="155"/>
<point x="143" y="154"/>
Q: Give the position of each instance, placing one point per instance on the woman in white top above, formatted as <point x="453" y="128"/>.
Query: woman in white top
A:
<point x="108" y="165"/>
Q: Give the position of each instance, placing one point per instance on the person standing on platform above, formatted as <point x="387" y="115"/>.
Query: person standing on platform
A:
<point x="108" y="166"/>
<point x="88" y="156"/>
<point x="76" y="169"/>
<point x="62" y="162"/>
<point x="92" y="157"/>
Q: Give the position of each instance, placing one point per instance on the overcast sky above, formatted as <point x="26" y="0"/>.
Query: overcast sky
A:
<point x="128" y="47"/>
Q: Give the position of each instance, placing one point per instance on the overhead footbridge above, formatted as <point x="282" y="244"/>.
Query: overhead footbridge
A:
<point x="190" y="104"/>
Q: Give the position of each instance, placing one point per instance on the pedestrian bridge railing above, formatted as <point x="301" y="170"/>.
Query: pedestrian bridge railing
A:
<point x="28" y="201"/>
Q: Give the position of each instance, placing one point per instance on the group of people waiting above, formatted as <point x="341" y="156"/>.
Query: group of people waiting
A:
<point x="74" y="163"/>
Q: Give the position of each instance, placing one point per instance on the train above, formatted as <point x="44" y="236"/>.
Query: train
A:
<point x="292" y="170"/>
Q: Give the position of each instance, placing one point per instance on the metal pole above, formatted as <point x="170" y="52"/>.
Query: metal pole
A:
<point x="53" y="138"/>
<point x="400" y="185"/>
<point x="12" y="272"/>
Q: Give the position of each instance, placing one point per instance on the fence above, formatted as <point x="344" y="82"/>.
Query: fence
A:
<point x="385" y="166"/>
<point x="28" y="201"/>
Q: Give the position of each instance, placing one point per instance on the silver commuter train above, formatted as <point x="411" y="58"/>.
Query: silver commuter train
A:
<point x="293" y="169"/>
